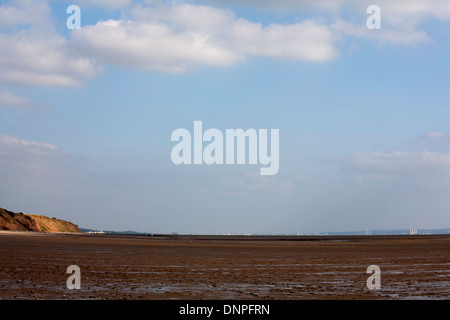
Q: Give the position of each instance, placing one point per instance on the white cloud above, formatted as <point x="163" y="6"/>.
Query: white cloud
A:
<point x="33" y="53"/>
<point x="149" y="46"/>
<point x="405" y="35"/>
<point x="180" y="37"/>
<point x="401" y="20"/>
<point x="434" y="139"/>
<point x="414" y="11"/>
<point x="396" y="165"/>
<point x="435" y="135"/>
<point x="306" y="40"/>
<point x="15" y="146"/>
<point x="10" y="100"/>
<point x="40" y="58"/>
<point x="24" y="13"/>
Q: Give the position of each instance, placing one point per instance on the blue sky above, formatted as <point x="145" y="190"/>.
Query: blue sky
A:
<point x="86" y="115"/>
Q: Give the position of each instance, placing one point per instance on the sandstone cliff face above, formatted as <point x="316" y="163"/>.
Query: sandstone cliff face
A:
<point x="47" y="224"/>
<point x="25" y="222"/>
<point x="16" y="221"/>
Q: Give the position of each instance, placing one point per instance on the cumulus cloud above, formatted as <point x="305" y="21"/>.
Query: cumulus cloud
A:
<point x="401" y="19"/>
<point x="33" y="53"/>
<point x="405" y="35"/>
<point x="415" y="11"/>
<point x="307" y="40"/>
<point x="147" y="46"/>
<point x="23" y="13"/>
<point x="179" y="37"/>
<point x="39" y="58"/>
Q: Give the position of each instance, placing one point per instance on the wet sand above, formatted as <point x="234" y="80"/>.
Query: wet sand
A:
<point x="34" y="265"/>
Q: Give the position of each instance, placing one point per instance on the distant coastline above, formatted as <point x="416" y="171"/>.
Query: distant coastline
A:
<point x="378" y="232"/>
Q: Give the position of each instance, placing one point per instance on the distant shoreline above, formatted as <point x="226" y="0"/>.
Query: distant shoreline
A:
<point x="205" y="237"/>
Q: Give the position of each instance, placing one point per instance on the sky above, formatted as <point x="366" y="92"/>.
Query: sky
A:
<point x="86" y="115"/>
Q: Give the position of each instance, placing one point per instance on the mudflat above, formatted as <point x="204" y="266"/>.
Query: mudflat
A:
<point x="34" y="266"/>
